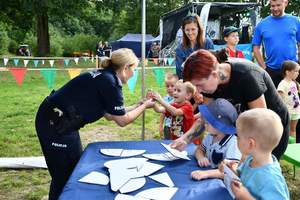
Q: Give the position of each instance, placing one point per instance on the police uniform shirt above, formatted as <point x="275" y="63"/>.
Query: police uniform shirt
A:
<point x="92" y="94"/>
<point x="225" y="149"/>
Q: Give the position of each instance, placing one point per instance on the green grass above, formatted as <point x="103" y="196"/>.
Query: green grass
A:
<point x="18" y="106"/>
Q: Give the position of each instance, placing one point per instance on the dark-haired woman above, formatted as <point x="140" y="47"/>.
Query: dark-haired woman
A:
<point x="192" y="40"/>
<point x="241" y="82"/>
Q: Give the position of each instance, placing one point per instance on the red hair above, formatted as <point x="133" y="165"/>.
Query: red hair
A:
<point x="199" y="65"/>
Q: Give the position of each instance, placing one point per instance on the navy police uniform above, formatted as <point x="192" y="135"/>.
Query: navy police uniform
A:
<point x="84" y="99"/>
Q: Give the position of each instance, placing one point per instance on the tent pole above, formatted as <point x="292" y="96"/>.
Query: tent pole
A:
<point x="143" y="61"/>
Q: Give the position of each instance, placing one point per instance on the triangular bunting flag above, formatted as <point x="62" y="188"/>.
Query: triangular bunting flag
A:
<point x="92" y="58"/>
<point x="146" y="62"/>
<point x="73" y="72"/>
<point x="16" y="61"/>
<point x="51" y="62"/>
<point x="76" y="60"/>
<point x="132" y="81"/>
<point x="18" y="74"/>
<point x="49" y="76"/>
<point x="165" y="61"/>
<point x="67" y="62"/>
<point x="155" y="60"/>
<point x="170" y="61"/>
<point x="5" y="60"/>
<point x="25" y="62"/>
<point x="159" y="76"/>
<point x="43" y="62"/>
<point x="35" y="62"/>
<point x="85" y="59"/>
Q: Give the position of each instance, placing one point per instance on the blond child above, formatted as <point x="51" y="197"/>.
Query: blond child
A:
<point x="165" y="122"/>
<point x="287" y="89"/>
<point x="259" y="131"/>
<point x="231" y="37"/>
<point x="181" y="110"/>
<point x="220" y="143"/>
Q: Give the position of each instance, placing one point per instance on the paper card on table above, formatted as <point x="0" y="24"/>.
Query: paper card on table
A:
<point x="229" y="176"/>
<point x="119" y="176"/>
<point x="128" y="197"/>
<point x="163" y="178"/>
<point x="158" y="193"/>
<point x="175" y="152"/>
<point x="161" y="156"/>
<point x="111" y="152"/>
<point x="126" y="162"/>
<point x="133" y="184"/>
<point x="95" y="178"/>
<point x="131" y="152"/>
<point x="149" y="168"/>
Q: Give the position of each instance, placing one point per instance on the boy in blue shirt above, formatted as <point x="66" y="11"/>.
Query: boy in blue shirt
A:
<point x="259" y="131"/>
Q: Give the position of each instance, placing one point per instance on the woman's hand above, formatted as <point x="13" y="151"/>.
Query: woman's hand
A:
<point x="149" y="103"/>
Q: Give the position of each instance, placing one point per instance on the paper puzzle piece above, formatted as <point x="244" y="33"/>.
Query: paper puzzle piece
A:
<point x="229" y="176"/>
<point x="133" y="184"/>
<point x="149" y="168"/>
<point x="111" y="152"/>
<point x="128" y="197"/>
<point x="163" y="178"/>
<point x="95" y="178"/>
<point x="126" y="163"/>
<point x="161" y="156"/>
<point x="119" y="176"/>
<point x="175" y="152"/>
<point x="129" y="152"/>
<point x="159" y="193"/>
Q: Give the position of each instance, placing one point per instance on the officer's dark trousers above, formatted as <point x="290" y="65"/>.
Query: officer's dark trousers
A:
<point x="61" y="151"/>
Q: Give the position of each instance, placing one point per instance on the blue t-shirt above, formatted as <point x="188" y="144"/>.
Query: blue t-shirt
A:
<point x="279" y="36"/>
<point x="265" y="182"/>
<point x="183" y="53"/>
<point x="92" y="94"/>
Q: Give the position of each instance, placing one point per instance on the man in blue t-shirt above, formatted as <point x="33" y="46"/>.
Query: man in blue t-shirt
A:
<point x="280" y="35"/>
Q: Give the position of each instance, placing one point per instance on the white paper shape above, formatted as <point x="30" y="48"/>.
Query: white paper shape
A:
<point x="23" y="162"/>
<point x="126" y="163"/>
<point x="229" y="176"/>
<point x="119" y="176"/>
<point x="76" y="60"/>
<point x="25" y="62"/>
<point x="43" y="62"/>
<point x="51" y="62"/>
<point x="133" y="184"/>
<point x="149" y="168"/>
<point x="161" y="156"/>
<point x="175" y="152"/>
<point x="131" y="152"/>
<point x="111" y="152"/>
<point x="158" y="193"/>
<point x="163" y="178"/>
<point x="128" y="197"/>
<point x="95" y="178"/>
<point x="5" y="60"/>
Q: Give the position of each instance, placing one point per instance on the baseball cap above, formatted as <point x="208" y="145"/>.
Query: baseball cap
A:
<point x="230" y="29"/>
<point x="221" y="114"/>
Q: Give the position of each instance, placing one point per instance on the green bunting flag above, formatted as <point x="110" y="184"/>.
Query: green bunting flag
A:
<point x="132" y="81"/>
<point x="159" y="76"/>
<point x="49" y="76"/>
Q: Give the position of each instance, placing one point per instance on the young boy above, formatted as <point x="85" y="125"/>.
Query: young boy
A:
<point x="231" y="37"/>
<point x="220" y="143"/>
<point x="181" y="110"/>
<point x="259" y="131"/>
<point x="165" y="122"/>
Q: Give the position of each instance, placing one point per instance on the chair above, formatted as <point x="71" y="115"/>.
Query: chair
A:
<point x="292" y="155"/>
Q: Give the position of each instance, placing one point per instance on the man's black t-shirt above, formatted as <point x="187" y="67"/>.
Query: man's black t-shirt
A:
<point x="92" y="94"/>
<point x="247" y="83"/>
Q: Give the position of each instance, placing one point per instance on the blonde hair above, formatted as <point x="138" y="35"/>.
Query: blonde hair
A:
<point x="119" y="58"/>
<point x="263" y="125"/>
<point x="169" y="76"/>
<point x="189" y="87"/>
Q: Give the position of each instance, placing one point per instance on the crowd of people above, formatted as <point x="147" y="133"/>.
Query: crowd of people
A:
<point x="238" y="113"/>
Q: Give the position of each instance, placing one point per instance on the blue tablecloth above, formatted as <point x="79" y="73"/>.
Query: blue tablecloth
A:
<point x="178" y="170"/>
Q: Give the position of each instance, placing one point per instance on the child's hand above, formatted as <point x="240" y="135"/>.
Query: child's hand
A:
<point x="239" y="191"/>
<point x="203" y="162"/>
<point x="156" y="96"/>
<point x="198" y="98"/>
<point x="199" y="175"/>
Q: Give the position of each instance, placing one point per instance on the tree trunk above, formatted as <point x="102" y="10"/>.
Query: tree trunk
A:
<point x="43" y="40"/>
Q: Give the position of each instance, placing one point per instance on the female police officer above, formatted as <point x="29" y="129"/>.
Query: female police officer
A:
<point x="83" y="100"/>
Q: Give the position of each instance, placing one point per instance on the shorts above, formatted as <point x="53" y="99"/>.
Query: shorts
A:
<point x="294" y="116"/>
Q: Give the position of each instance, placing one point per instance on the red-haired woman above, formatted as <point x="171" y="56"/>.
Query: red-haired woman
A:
<point x="192" y="40"/>
<point x="243" y="83"/>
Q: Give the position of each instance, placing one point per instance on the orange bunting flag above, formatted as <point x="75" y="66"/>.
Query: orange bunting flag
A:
<point x="155" y="60"/>
<point x="73" y="72"/>
<point x="18" y="74"/>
